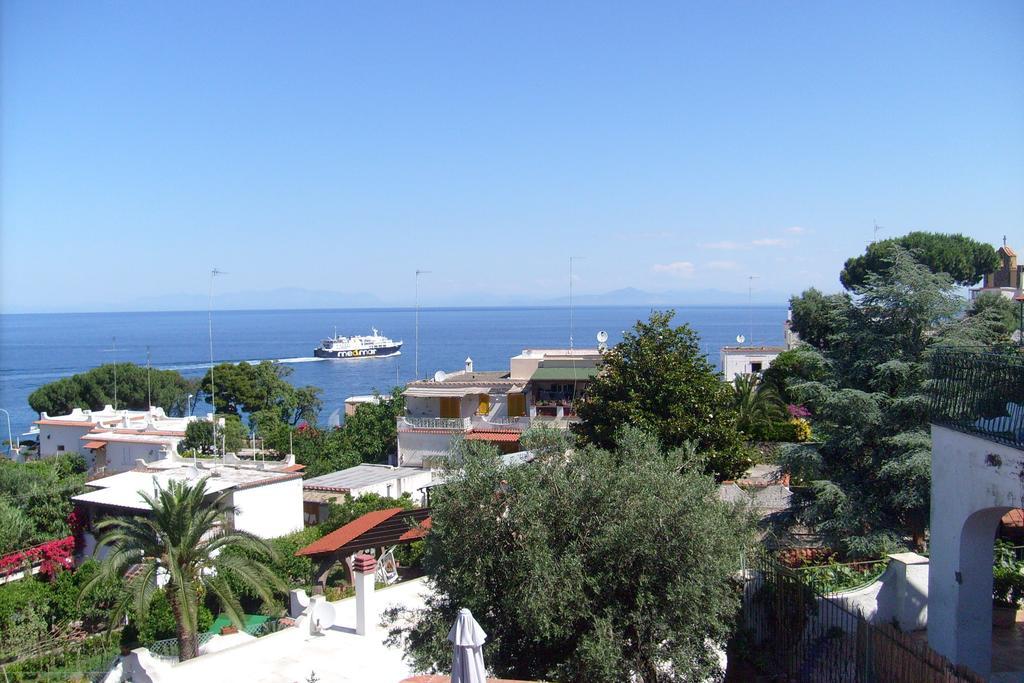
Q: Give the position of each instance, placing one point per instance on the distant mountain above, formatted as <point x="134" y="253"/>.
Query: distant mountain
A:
<point x="630" y="296"/>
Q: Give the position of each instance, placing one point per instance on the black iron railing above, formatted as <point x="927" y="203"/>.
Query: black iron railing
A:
<point x="788" y="630"/>
<point x="979" y="393"/>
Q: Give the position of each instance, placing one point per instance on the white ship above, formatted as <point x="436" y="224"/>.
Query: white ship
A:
<point x="366" y="346"/>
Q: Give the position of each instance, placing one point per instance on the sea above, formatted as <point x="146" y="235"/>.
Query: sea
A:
<point x="39" y="348"/>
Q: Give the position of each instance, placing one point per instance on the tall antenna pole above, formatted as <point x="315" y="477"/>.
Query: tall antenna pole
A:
<point x="416" y="370"/>
<point x="149" y="385"/>
<point x="875" y="235"/>
<point x="572" y="326"/>
<point x="750" y="304"/>
<point x="209" y="319"/>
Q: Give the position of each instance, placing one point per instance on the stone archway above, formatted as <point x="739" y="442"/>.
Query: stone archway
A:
<point x="974" y="483"/>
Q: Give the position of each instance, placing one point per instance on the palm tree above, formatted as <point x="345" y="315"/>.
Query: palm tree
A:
<point x="181" y="541"/>
<point x="757" y="404"/>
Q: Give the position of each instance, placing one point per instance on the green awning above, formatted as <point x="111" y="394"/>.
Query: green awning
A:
<point x="563" y="374"/>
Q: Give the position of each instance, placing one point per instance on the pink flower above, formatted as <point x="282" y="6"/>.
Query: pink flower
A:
<point x="798" y="411"/>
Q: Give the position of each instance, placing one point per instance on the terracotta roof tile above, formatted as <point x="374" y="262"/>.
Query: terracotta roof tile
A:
<point x="348" y="533"/>
<point x="500" y="436"/>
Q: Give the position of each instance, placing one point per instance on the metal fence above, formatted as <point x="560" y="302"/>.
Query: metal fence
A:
<point x="793" y="633"/>
<point x="979" y="393"/>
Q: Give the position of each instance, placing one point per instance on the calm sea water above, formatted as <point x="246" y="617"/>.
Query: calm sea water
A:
<point x="36" y="349"/>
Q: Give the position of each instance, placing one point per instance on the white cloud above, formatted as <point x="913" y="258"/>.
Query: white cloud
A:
<point x="722" y="265"/>
<point x="768" y="242"/>
<point x="676" y="268"/>
<point x="796" y="230"/>
<point x="725" y="245"/>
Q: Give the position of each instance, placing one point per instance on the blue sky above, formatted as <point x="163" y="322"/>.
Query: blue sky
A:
<point x="340" y="146"/>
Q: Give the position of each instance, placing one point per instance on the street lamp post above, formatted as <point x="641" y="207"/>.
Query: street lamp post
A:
<point x="10" y="434"/>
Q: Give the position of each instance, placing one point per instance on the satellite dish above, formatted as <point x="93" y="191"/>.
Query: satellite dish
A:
<point x="602" y="337"/>
<point x="440" y="376"/>
<point x="322" y="615"/>
<point x="740" y="339"/>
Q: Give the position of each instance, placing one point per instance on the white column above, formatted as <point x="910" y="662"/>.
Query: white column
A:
<point x="364" y="572"/>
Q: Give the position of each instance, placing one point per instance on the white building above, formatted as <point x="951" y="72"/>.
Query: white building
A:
<point x="268" y="495"/>
<point x="747" y="360"/>
<point x="541" y="385"/>
<point x="112" y="440"/>
<point x="384" y="480"/>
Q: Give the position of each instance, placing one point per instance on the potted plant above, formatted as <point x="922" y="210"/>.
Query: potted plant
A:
<point x="1007" y="586"/>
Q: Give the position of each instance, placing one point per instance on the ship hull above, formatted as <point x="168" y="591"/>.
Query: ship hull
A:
<point x="358" y="353"/>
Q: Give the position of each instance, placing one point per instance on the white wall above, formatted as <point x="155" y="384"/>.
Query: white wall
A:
<point x="270" y="510"/>
<point x="414" y="448"/>
<point x="421" y="406"/>
<point x="740" y="363"/>
<point x="52" y="437"/>
<point x="974" y="483"/>
<point x="409" y="484"/>
<point x="121" y="456"/>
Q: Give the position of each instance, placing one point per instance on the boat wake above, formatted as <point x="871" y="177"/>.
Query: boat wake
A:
<point x="305" y="359"/>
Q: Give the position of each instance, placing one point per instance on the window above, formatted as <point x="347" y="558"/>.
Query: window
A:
<point x="516" y="405"/>
<point x="451" y="407"/>
<point x="755" y="367"/>
<point x="60" y="449"/>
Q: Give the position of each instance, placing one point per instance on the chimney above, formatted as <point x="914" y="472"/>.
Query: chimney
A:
<point x="364" y="571"/>
<point x="469" y="365"/>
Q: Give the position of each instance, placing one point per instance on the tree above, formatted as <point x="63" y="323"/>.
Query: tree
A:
<point x="607" y="566"/>
<point x="866" y="385"/>
<point x="999" y="315"/>
<point x="372" y="430"/>
<point x="370" y="435"/>
<point x="803" y="363"/>
<point x="352" y="509"/>
<point x="199" y="435"/>
<point x="94" y="389"/>
<point x="818" y="318"/>
<point x="757" y="405"/>
<point x="965" y="260"/>
<point x="249" y="388"/>
<point x="183" y="537"/>
<point x="657" y="379"/>
<point x="35" y="499"/>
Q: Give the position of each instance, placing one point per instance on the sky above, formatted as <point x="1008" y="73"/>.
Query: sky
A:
<point x="341" y="146"/>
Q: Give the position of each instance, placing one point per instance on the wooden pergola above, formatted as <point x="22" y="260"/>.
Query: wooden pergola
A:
<point x="375" y="531"/>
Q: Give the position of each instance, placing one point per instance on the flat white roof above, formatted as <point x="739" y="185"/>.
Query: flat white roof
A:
<point x="122" y="489"/>
<point x="337" y="654"/>
<point x="362" y="475"/>
<point x="365" y="398"/>
<point x="550" y="353"/>
<point x="754" y="350"/>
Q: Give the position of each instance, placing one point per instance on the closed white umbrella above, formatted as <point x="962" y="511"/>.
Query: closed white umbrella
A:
<point x="467" y="639"/>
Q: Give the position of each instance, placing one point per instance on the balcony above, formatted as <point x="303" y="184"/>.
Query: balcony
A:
<point x="980" y="394"/>
<point x="457" y="424"/>
<point x="482" y="423"/>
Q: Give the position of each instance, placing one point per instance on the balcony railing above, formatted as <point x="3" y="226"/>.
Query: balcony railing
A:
<point x="521" y="423"/>
<point x="449" y="423"/>
<point x="979" y="393"/>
